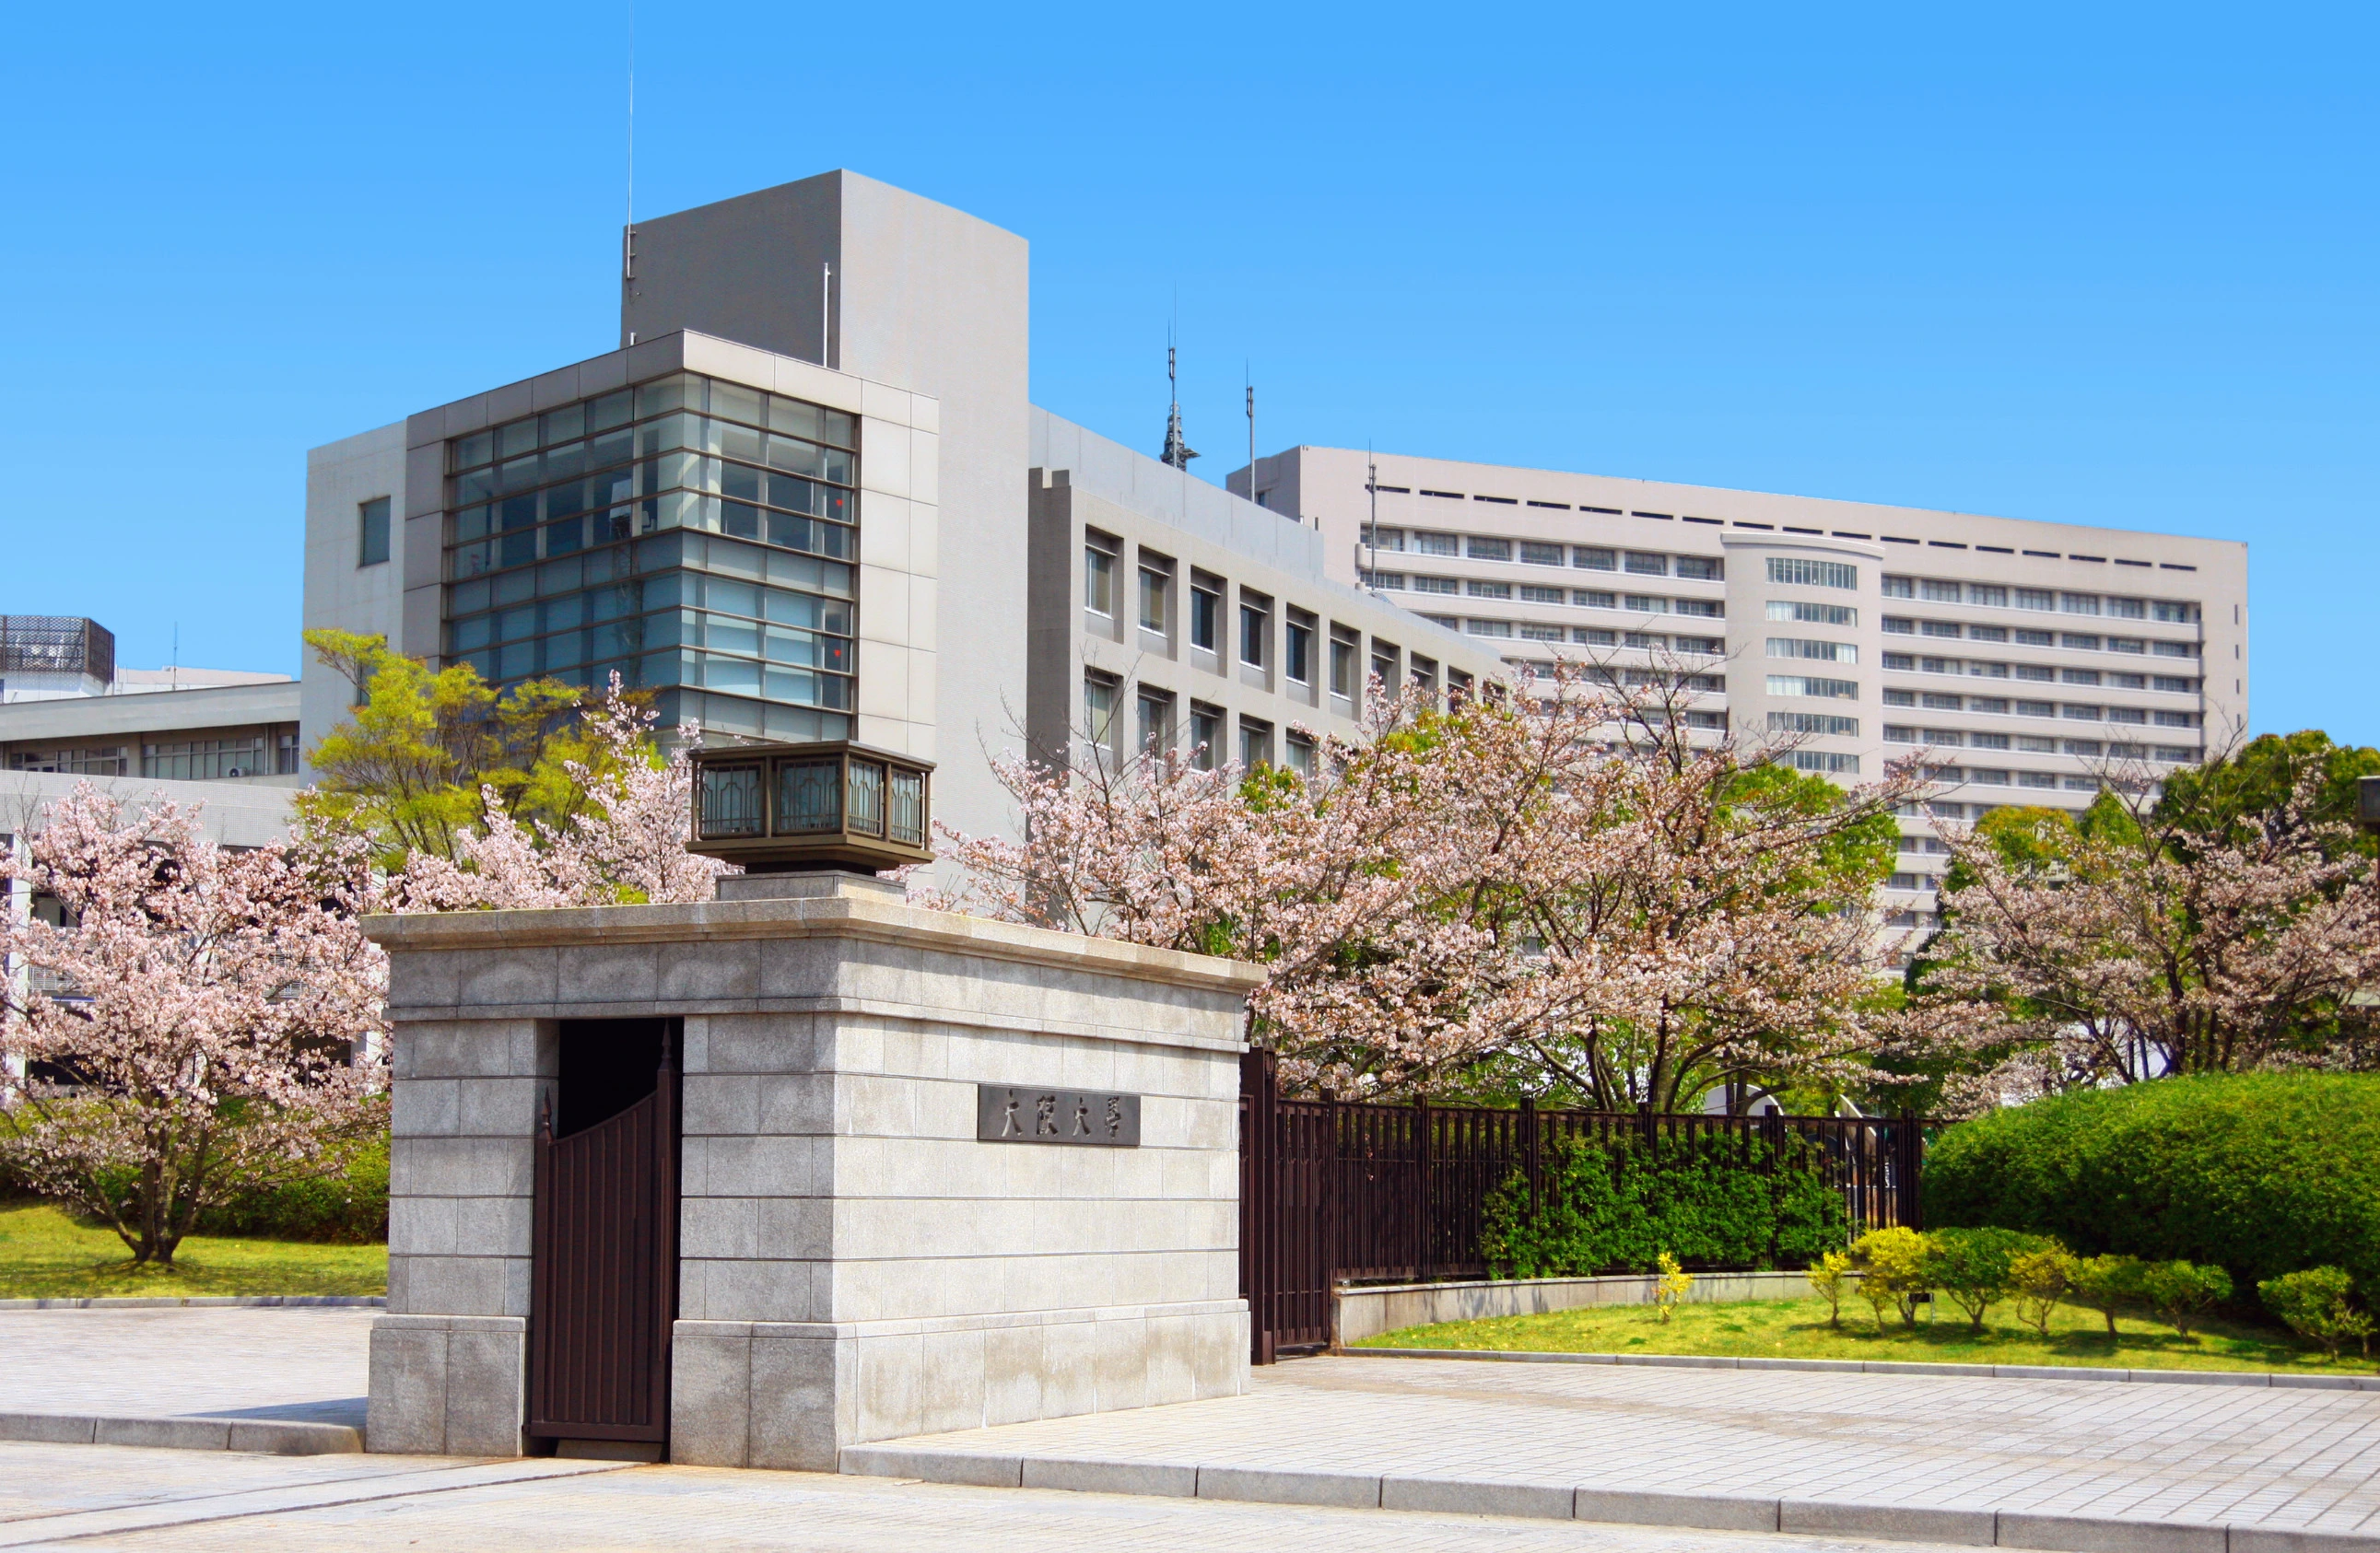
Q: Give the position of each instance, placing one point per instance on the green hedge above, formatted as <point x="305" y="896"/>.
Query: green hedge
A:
<point x="2264" y="1173"/>
<point x="350" y="1208"/>
<point x="1616" y="1207"/>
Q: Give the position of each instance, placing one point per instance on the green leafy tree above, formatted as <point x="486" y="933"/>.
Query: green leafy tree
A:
<point x="427" y="752"/>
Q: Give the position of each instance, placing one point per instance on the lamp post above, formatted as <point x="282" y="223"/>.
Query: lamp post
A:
<point x="810" y="807"/>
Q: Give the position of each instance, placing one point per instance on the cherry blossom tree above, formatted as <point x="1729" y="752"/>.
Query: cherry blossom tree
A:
<point x="1708" y="915"/>
<point x="1560" y="881"/>
<point x="2149" y="937"/>
<point x="207" y="1020"/>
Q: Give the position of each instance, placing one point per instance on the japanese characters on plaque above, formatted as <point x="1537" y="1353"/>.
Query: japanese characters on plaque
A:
<point x="1016" y="1113"/>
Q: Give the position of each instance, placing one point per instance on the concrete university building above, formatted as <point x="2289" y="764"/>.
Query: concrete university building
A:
<point x="808" y="498"/>
<point x="2027" y="660"/>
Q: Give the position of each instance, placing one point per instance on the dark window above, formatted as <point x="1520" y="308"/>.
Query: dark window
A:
<point x="372" y="520"/>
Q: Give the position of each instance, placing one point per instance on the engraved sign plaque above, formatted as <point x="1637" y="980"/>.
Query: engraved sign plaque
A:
<point x="1020" y="1113"/>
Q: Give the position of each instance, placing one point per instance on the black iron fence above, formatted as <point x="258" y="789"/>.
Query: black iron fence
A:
<point x="1331" y="1191"/>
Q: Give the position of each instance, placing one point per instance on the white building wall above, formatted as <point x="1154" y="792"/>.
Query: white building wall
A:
<point x="340" y="592"/>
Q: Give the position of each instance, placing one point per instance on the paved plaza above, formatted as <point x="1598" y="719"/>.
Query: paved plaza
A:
<point x="2040" y="1463"/>
<point x="301" y="1364"/>
<point x="1417" y="1451"/>
<point x="92" y="1497"/>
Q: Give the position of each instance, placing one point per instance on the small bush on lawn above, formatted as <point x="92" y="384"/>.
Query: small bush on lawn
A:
<point x="1973" y="1267"/>
<point x="2182" y="1291"/>
<point x="2261" y="1174"/>
<point x="1828" y="1276"/>
<point x="2039" y="1280"/>
<point x="2110" y="1285"/>
<point x="1893" y="1271"/>
<point x="1615" y="1206"/>
<point x="2313" y="1302"/>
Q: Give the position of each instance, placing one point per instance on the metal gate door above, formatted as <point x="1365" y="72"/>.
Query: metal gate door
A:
<point x="603" y="1257"/>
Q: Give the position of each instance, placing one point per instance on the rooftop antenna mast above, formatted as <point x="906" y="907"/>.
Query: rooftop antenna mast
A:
<point x="628" y="228"/>
<point x="1372" y="529"/>
<point x="1177" y="454"/>
<point x="1250" y="380"/>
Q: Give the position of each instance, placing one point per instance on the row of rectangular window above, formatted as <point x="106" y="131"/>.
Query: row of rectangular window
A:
<point x="2001" y="706"/>
<point x="170" y="760"/>
<point x="1539" y="552"/>
<point x="602" y="470"/>
<point x="662" y="553"/>
<point x="1815" y="687"/>
<point x="591" y="658"/>
<point x="780" y="607"/>
<point x="2174" y="612"/>
<point x="2032" y="743"/>
<point x="674" y="510"/>
<point x="2041" y="674"/>
<point x="2076" y="641"/>
<point x="1301" y="644"/>
<point x="752" y="406"/>
<point x="1158" y="729"/>
<point x="1581" y="598"/>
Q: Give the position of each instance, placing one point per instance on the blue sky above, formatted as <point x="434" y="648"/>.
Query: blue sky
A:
<point x="2097" y="265"/>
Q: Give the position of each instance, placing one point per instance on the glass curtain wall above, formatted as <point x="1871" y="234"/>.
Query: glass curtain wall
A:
<point x="693" y="536"/>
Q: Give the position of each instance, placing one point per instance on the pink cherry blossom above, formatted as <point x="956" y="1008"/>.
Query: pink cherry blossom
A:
<point x="208" y="1019"/>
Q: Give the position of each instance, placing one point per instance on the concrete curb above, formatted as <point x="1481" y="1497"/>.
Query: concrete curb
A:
<point x="266" y="1435"/>
<point x="1894" y="1367"/>
<point x="210" y="1302"/>
<point x="1543" y="1501"/>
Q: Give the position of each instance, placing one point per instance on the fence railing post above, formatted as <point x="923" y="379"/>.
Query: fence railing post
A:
<point x="1911" y="1141"/>
<point x="1529" y="1165"/>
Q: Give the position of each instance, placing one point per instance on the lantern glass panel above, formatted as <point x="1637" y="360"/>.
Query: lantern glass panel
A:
<point x="866" y="800"/>
<point x="730" y="798"/>
<point x="904" y="808"/>
<point x="807" y="793"/>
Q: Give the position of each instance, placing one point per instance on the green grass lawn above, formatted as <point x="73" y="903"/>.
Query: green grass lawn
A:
<point x="1798" y="1329"/>
<point x="45" y="1254"/>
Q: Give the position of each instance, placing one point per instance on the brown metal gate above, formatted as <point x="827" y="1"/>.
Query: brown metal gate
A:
<point x="603" y="1259"/>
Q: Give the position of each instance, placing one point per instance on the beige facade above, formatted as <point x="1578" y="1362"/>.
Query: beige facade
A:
<point x="2027" y="660"/>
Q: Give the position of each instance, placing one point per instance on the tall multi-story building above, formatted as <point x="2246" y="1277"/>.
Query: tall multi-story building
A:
<point x="2028" y="660"/>
<point x="807" y="497"/>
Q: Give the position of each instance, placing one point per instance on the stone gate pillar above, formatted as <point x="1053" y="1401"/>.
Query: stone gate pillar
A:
<point x="937" y="1171"/>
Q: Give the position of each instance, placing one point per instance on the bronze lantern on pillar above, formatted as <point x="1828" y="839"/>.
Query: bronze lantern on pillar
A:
<point x="807" y="808"/>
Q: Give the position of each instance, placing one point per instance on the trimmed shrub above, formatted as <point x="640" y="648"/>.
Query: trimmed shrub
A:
<point x="1973" y="1266"/>
<point x="2261" y="1173"/>
<point x="1892" y="1266"/>
<point x="2313" y="1302"/>
<point x="1829" y="1275"/>
<point x="2110" y="1285"/>
<point x="2180" y="1291"/>
<point x="2039" y="1280"/>
<point x="1617" y="1206"/>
